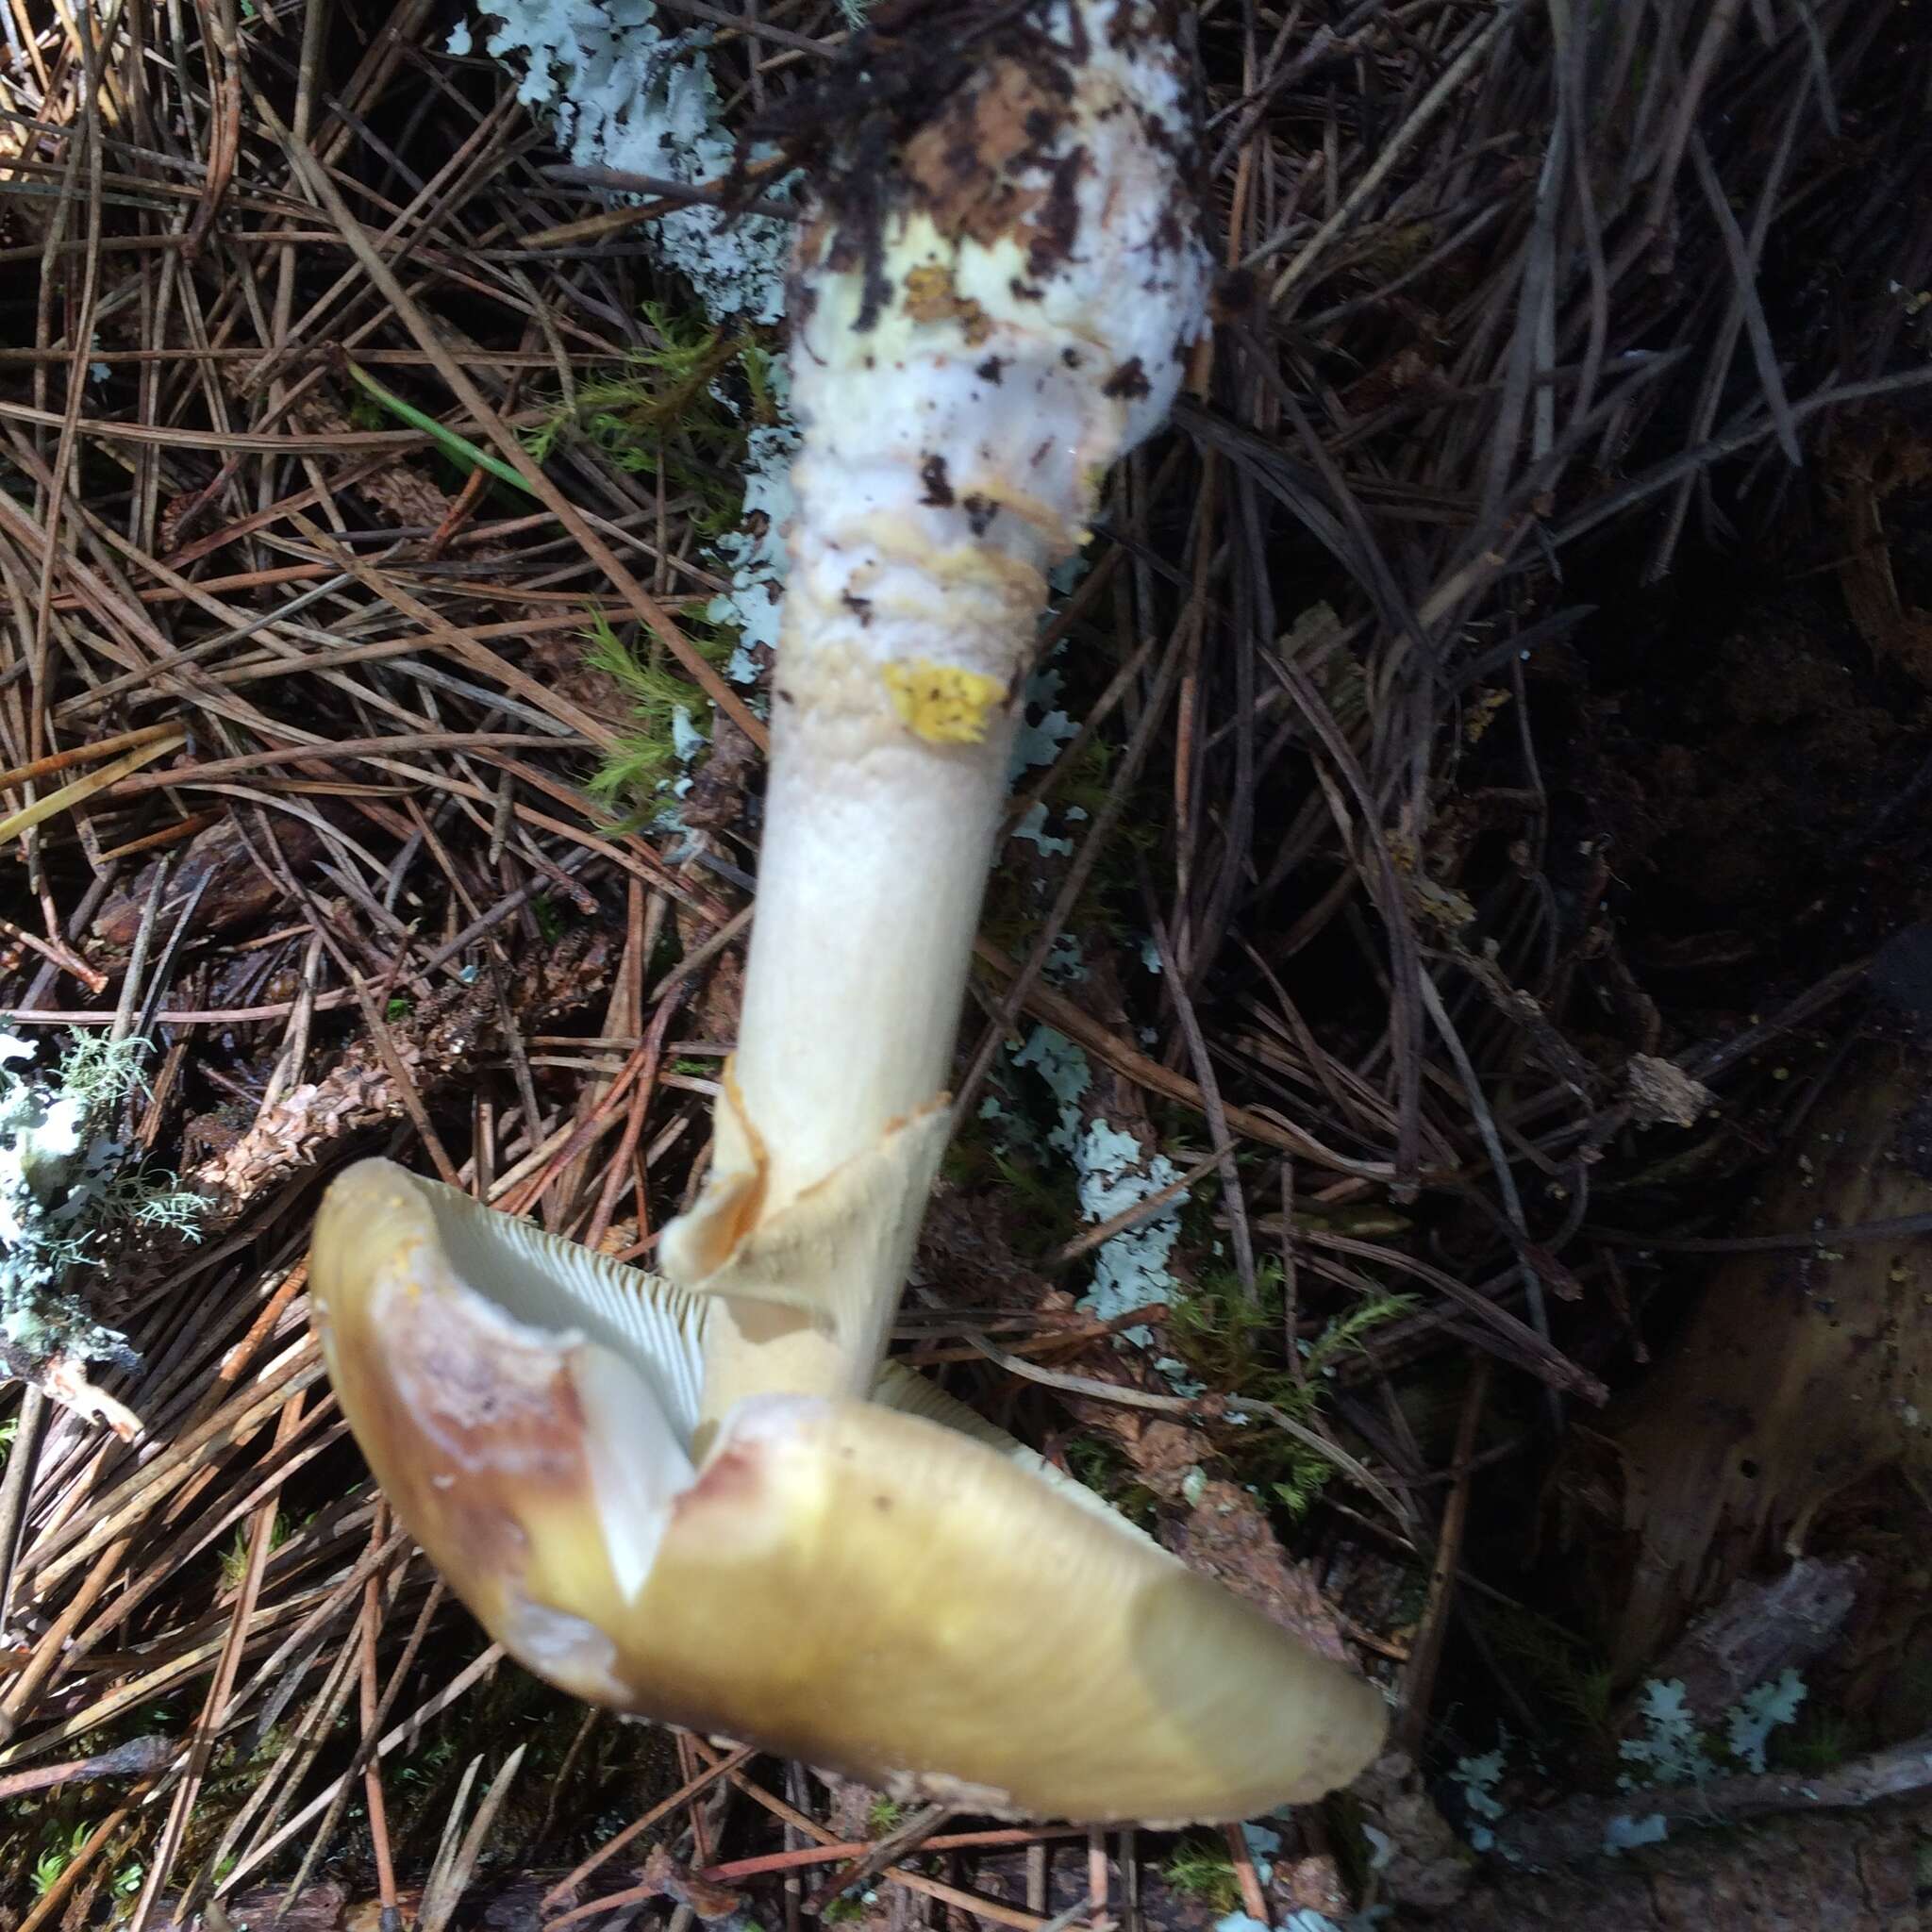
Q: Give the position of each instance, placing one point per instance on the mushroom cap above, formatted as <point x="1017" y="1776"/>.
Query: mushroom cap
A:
<point x="845" y="1582"/>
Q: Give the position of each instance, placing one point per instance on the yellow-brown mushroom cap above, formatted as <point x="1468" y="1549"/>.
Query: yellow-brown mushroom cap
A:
<point x="844" y="1582"/>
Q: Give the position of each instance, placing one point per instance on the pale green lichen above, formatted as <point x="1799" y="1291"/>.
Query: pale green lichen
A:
<point x="1131" y="1268"/>
<point x="1264" y="1847"/>
<point x="67" y="1187"/>
<point x="1479" y="1778"/>
<point x="754" y="553"/>
<point x="1032" y="827"/>
<point x="1625" y="1833"/>
<point x="1750" y="1723"/>
<point x="624" y="93"/>
<point x="1045" y="731"/>
<point x="1065" y="965"/>
<point x="1303" y="1918"/>
<point x="1670" y="1748"/>
<point x="1673" y="1749"/>
<point x="1113" y="1174"/>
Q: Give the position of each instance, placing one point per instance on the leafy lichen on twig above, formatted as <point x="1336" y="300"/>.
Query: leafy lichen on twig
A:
<point x="68" y="1187"/>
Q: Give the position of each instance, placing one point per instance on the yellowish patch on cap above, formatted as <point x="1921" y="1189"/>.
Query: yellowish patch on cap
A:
<point x="945" y="704"/>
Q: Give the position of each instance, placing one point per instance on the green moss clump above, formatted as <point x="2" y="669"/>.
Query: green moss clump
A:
<point x="664" y="707"/>
<point x="1222" y="1336"/>
<point x="1205" y="1871"/>
<point x="679" y="410"/>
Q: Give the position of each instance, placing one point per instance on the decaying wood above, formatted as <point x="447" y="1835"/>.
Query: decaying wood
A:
<point x="1796" y="1874"/>
<point x="1760" y="1628"/>
<point x="1806" y="1367"/>
<point x="1577" y="1831"/>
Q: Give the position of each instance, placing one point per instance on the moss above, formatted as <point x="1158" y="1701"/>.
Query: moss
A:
<point x="630" y="778"/>
<point x="686" y="412"/>
<point x="235" y="1557"/>
<point x="994" y="1154"/>
<point x="61" y="1848"/>
<point x="1203" y="1870"/>
<point x="1108" y="905"/>
<point x="1218" y="1329"/>
<point x="1229" y="1341"/>
<point x="668" y="415"/>
<point x="1106" y="1470"/>
<point x="1822" y="1743"/>
<point x="1212" y="1326"/>
<point x="551" y="919"/>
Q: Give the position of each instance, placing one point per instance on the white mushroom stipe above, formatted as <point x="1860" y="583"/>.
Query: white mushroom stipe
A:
<point x="980" y="327"/>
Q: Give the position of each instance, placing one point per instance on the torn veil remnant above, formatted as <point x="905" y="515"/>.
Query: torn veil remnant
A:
<point x="715" y="1504"/>
<point x="889" y="1589"/>
<point x="992" y="297"/>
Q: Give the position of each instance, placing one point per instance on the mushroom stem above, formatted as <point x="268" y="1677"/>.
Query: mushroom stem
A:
<point x="982" y="325"/>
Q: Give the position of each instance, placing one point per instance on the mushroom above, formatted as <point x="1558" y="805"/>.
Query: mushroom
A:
<point x="886" y="1588"/>
<point x="715" y="1504"/>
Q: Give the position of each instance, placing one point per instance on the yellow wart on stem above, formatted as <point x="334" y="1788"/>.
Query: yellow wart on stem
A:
<point x="943" y="703"/>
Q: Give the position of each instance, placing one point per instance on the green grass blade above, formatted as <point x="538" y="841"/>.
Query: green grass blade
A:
<point x="461" y="447"/>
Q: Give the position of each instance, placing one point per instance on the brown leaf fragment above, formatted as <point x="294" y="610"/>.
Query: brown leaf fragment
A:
<point x="1312" y="1885"/>
<point x="1164" y="1454"/>
<point x="65" y="1380"/>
